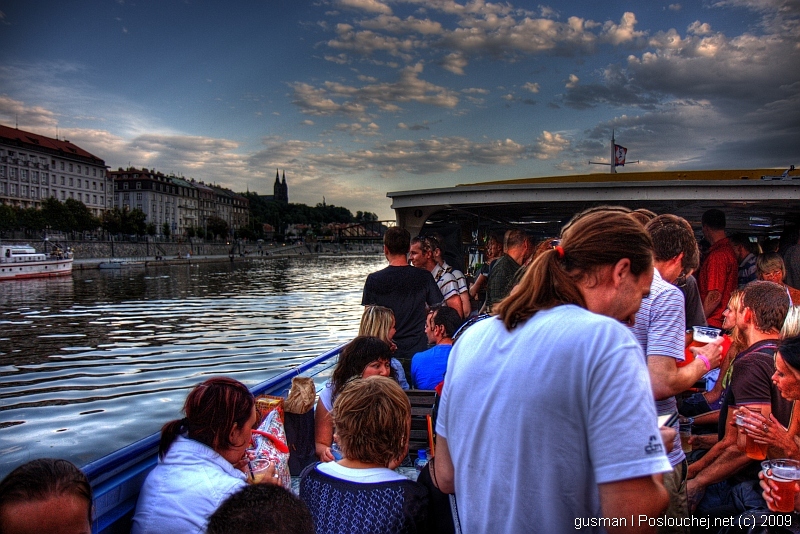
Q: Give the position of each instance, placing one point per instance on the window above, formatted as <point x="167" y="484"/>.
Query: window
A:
<point x="62" y="165"/>
<point x="94" y="199"/>
<point x="80" y="197"/>
<point x="34" y="192"/>
<point x="71" y="181"/>
<point x="23" y="174"/>
<point x="79" y="182"/>
<point x="94" y="186"/>
<point x="13" y="189"/>
<point x="35" y="177"/>
<point x="126" y="196"/>
<point x="45" y="178"/>
<point x="101" y="187"/>
<point x="138" y="185"/>
<point x="12" y="172"/>
<point x="79" y="169"/>
<point x="2" y="188"/>
<point x="139" y="207"/>
<point x="62" y="180"/>
<point x="138" y="196"/>
<point x="87" y="172"/>
<point x="94" y="172"/>
<point x="71" y="194"/>
<point x="2" y="171"/>
<point x="125" y="185"/>
<point x="101" y="200"/>
<point x="71" y="167"/>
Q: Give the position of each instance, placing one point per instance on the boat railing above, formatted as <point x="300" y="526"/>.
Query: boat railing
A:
<point x="117" y="478"/>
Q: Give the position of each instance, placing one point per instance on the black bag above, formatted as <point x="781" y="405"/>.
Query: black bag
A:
<point x="300" y="439"/>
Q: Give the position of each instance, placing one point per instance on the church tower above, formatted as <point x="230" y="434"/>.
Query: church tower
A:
<point x="280" y="189"/>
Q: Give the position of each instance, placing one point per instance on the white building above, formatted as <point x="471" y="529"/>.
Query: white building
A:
<point x="34" y="167"/>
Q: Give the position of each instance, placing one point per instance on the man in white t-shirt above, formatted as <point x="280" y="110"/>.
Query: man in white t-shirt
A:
<point x="533" y="433"/>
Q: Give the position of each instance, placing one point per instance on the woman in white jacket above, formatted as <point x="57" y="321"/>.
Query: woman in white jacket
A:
<point x="201" y="460"/>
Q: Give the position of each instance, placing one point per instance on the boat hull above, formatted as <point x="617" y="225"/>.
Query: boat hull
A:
<point x="43" y="269"/>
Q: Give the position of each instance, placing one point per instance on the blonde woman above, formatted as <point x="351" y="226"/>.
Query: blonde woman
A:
<point x="378" y="321"/>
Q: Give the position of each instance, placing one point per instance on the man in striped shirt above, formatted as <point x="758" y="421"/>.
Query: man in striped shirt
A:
<point x="659" y="328"/>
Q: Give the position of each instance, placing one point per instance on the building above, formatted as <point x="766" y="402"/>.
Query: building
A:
<point x="162" y="198"/>
<point x="34" y="167"/>
<point x="280" y="191"/>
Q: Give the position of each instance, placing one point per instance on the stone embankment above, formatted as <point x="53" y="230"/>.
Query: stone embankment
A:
<point x="89" y="254"/>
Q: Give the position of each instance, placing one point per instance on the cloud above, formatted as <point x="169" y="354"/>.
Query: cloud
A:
<point x="550" y="145"/>
<point x="572" y="82"/>
<point x="357" y="128"/>
<point x="615" y="89"/>
<point x="408" y="88"/>
<point x="424" y="156"/>
<point x="370" y="6"/>
<point x="413" y="127"/>
<point x="532" y="87"/>
<point x="454" y="63"/>
<point x="33" y="117"/>
<point x="674" y="7"/>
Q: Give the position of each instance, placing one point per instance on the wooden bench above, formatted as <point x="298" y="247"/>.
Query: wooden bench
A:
<point x="422" y="401"/>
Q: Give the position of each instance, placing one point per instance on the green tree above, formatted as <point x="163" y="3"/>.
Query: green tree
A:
<point x="58" y="214"/>
<point x="81" y="217"/>
<point x="8" y="218"/>
<point x="151" y="229"/>
<point x="137" y="222"/>
<point x="190" y="232"/>
<point x="217" y="226"/>
<point x="165" y="229"/>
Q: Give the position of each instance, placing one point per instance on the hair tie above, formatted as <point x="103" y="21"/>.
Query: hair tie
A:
<point x="560" y="250"/>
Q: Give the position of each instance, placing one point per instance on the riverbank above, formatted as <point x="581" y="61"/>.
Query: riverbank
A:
<point x="267" y="252"/>
<point x="89" y="254"/>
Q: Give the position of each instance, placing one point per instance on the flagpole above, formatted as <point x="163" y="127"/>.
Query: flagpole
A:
<point x="613" y="154"/>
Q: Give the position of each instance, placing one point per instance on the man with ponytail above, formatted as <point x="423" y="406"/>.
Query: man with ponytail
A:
<point x="549" y="370"/>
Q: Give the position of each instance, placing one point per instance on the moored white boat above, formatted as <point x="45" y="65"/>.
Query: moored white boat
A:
<point x="22" y="261"/>
<point x="120" y="263"/>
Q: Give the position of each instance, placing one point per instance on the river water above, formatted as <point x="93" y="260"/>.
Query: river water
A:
<point x="92" y="362"/>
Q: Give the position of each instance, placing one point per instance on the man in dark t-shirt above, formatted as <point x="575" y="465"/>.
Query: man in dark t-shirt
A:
<point x="405" y="290"/>
<point x="763" y="310"/>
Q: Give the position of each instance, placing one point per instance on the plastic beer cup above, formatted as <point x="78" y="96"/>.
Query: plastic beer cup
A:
<point x="685" y="431"/>
<point x="785" y="474"/>
<point x="258" y="471"/>
<point x="701" y="335"/>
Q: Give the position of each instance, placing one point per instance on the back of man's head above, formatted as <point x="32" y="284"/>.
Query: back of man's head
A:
<point x="261" y="509"/>
<point x="447" y="317"/>
<point x="672" y="235"/>
<point x="397" y="240"/>
<point x="516" y="238"/>
<point x="768" y="303"/>
<point x="714" y="219"/>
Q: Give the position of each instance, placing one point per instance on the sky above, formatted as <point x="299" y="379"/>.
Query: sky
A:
<point x="356" y="98"/>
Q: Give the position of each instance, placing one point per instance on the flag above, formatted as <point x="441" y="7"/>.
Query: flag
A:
<point x="619" y="155"/>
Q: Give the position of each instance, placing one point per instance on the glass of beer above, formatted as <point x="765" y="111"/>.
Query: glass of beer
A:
<point x="258" y="471"/>
<point x="753" y="449"/>
<point x="785" y="474"/>
<point x="685" y="431"/>
<point x="701" y="335"/>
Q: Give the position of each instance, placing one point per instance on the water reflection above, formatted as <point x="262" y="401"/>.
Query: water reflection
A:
<point x="93" y="362"/>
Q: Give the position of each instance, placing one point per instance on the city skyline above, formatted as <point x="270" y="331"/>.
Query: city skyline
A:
<point x="354" y="98"/>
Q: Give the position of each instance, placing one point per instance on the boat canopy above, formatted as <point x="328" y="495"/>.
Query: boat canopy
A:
<point x="757" y="202"/>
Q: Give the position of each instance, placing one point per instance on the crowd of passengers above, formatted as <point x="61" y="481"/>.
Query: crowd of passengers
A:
<point x="547" y="409"/>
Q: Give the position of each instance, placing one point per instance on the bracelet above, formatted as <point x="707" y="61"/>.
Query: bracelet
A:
<point x="704" y="360"/>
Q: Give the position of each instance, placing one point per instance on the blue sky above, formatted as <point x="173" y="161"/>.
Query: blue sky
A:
<point x="354" y="98"/>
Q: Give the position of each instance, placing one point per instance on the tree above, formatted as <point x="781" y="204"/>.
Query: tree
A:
<point x="80" y="216"/>
<point x="165" y="229"/>
<point x="190" y="232"/>
<point x="137" y="222"/>
<point x="151" y="229"/>
<point x="8" y="218"/>
<point x="217" y="226"/>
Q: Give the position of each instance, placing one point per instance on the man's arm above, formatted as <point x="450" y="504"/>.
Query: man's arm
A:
<point x="442" y="470"/>
<point x="455" y="303"/>
<point x="630" y="498"/>
<point x="669" y="380"/>
<point x="728" y="460"/>
<point x="712" y="302"/>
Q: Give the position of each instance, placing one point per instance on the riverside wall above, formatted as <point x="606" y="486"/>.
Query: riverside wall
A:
<point x="89" y="253"/>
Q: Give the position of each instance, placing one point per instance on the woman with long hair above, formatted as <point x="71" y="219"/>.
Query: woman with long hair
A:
<point x="363" y="357"/>
<point x="378" y="321"/>
<point x="201" y="459"/>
